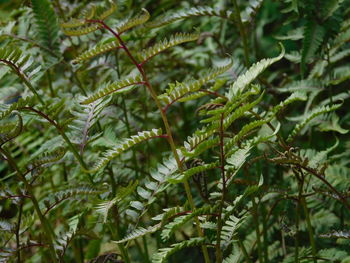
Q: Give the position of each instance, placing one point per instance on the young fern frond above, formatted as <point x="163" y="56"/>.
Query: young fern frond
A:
<point x="165" y="253"/>
<point x="118" y="87"/>
<point x="133" y="22"/>
<point x="180" y="89"/>
<point x="138" y="232"/>
<point x="174" y="40"/>
<point x="123" y="146"/>
<point x="46" y="24"/>
<point x="309" y="117"/>
<point x="96" y="51"/>
<point x="192" y="12"/>
<point x="10" y="131"/>
<point x="252" y="73"/>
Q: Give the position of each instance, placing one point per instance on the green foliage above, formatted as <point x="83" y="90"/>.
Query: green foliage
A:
<point x="246" y="168"/>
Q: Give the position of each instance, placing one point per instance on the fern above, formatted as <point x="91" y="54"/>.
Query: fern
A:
<point x="165" y="44"/>
<point x="192" y="171"/>
<point x="47" y="24"/>
<point x="120" y="86"/>
<point x="309" y="117"/>
<point x="229" y="230"/>
<point x="133" y="22"/>
<point x="10" y="130"/>
<point x="19" y="105"/>
<point x="194" y="11"/>
<point x="244" y="80"/>
<point x="96" y="51"/>
<point x="165" y="253"/>
<point x="123" y="146"/>
<point x="139" y="232"/>
<point x="180" y="89"/>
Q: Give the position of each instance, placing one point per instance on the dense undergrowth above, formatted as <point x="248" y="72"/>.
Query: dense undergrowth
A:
<point x="174" y="131"/>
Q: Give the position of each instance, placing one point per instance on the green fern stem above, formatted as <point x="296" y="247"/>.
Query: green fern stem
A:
<point x="48" y="231"/>
<point x="257" y="230"/>
<point x="242" y="33"/>
<point x="166" y="125"/>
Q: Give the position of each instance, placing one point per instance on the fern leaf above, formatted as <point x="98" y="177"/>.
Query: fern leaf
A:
<point x="313" y="36"/>
<point x="81" y="31"/>
<point x="344" y="234"/>
<point x="307" y="119"/>
<point x="180" y="89"/>
<point x="11" y="130"/>
<point x="192" y="12"/>
<point x="46" y="24"/>
<point x="125" y="145"/>
<point x="165" y="44"/>
<point x="165" y="253"/>
<point x="229" y="229"/>
<point x="138" y="232"/>
<point x="132" y="22"/>
<point x="49" y="157"/>
<point x="104" y="206"/>
<point x="296" y="96"/>
<point x="188" y="173"/>
<point x="108" y="12"/>
<point x="96" y="51"/>
<point x="251" y="74"/>
<point x="120" y="86"/>
<point x="19" y="105"/>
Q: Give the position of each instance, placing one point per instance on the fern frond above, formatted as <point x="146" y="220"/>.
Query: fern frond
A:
<point x="313" y="114"/>
<point x="180" y="178"/>
<point x="49" y="157"/>
<point x="296" y="96"/>
<point x="132" y="22"/>
<point x="104" y="206"/>
<point x="108" y="12"/>
<point x="138" y="232"/>
<point x="170" y="228"/>
<point x="174" y="40"/>
<point x="125" y="145"/>
<point x="22" y="65"/>
<point x="345" y="234"/>
<point x="252" y="73"/>
<point x="313" y="36"/>
<point x="165" y="253"/>
<point x="81" y="31"/>
<point x="19" y="105"/>
<point x="96" y="51"/>
<point x="46" y="24"/>
<point x="194" y="11"/>
<point x="180" y="89"/>
<point x="229" y="229"/>
<point x="120" y="86"/>
<point x="10" y="131"/>
<point x="86" y="116"/>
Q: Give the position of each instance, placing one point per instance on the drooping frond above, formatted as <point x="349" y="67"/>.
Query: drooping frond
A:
<point x="134" y="21"/>
<point x="96" y="51"/>
<point x="138" y="232"/>
<point x="309" y="117"/>
<point x="180" y="89"/>
<point x="125" y="145"/>
<point x="46" y="24"/>
<point x="252" y="73"/>
<point x="194" y="11"/>
<point x="174" y="40"/>
<point x="120" y="86"/>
